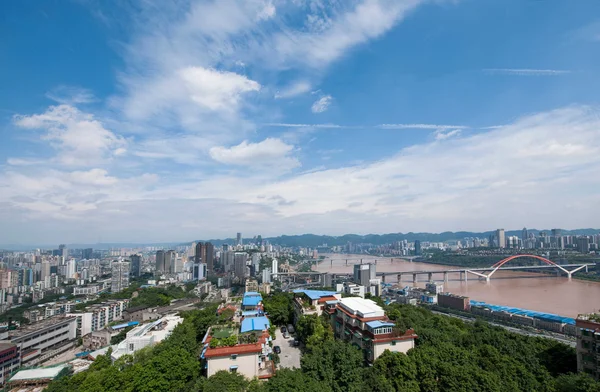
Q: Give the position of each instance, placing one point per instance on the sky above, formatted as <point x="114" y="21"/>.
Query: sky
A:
<point x="155" y="121"/>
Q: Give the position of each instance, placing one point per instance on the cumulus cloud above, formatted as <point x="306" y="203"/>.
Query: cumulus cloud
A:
<point x="216" y="90"/>
<point x="79" y="138"/>
<point x="270" y="151"/>
<point x="321" y="104"/>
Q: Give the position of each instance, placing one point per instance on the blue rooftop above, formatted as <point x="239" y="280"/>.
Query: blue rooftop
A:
<point x="250" y="313"/>
<point x="125" y="325"/>
<point x="377" y="324"/>
<point x="316" y="294"/>
<point x="524" y="312"/>
<point x="252" y="294"/>
<point x="255" y="324"/>
<point x="251" y="298"/>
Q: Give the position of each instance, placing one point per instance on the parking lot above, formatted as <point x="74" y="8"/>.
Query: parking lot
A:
<point x="290" y="355"/>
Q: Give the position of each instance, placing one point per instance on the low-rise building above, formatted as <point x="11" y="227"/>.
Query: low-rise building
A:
<point x="86" y="290"/>
<point x="434" y="287"/>
<point x="251" y="285"/>
<point x="307" y="302"/>
<point x="588" y="344"/>
<point x="42" y="340"/>
<point x="364" y="324"/>
<point x="96" y="340"/>
<point x="350" y="288"/>
<point x="36" y="379"/>
<point x="452" y="301"/>
<point x="10" y="360"/>
<point x="252" y="300"/>
<point x="141" y="313"/>
<point x="242" y="348"/>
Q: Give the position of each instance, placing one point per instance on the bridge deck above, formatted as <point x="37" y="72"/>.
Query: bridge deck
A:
<point x="483" y="269"/>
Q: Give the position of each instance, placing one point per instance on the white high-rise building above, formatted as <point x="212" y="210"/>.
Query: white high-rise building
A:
<point x="275" y="267"/>
<point x="501" y="238"/>
<point x="71" y="269"/>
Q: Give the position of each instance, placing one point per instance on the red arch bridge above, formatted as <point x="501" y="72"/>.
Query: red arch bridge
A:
<point x="487" y="272"/>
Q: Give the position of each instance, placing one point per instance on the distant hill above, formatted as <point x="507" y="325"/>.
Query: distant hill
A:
<point x="313" y="240"/>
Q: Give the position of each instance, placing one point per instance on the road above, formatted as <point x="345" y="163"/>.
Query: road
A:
<point x="290" y="355"/>
<point x="513" y="329"/>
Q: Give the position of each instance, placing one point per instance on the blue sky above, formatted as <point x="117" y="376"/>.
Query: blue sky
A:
<point x="166" y="121"/>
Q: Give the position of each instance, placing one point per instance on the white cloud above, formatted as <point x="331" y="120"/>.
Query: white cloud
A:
<point x="443" y="134"/>
<point x="331" y="34"/>
<point x="93" y="177"/>
<point x="420" y="126"/>
<point x="216" y="90"/>
<point x="294" y="89"/>
<point x="321" y="104"/>
<point x="526" y="71"/>
<point x="269" y="152"/>
<point x="71" y="95"/>
<point x="288" y="125"/>
<point x="79" y="138"/>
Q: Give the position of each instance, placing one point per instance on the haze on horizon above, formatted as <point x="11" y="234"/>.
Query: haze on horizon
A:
<point x="160" y="123"/>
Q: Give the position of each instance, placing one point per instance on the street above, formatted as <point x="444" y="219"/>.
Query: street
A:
<point x="290" y="355"/>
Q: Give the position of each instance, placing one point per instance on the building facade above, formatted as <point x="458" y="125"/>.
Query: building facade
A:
<point x="588" y="344"/>
<point x="10" y="360"/>
<point x="96" y="317"/>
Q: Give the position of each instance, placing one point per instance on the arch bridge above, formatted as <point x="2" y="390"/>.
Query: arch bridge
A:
<point x="487" y="272"/>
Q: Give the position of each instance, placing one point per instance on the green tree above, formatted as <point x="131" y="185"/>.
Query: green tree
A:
<point x="225" y="381"/>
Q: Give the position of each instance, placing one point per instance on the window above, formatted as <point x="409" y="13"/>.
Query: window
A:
<point x="233" y="369"/>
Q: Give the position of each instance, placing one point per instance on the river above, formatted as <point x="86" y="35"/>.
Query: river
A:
<point x="544" y="293"/>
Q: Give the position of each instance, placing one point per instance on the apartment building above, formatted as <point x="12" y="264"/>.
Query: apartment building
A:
<point x="96" y="317"/>
<point x="588" y="344"/>
<point x="42" y="340"/>
<point x="307" y="302"/>
<point x="364" y="324"/>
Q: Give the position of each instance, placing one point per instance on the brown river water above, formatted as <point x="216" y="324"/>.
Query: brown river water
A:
<point x="541" y="292"/>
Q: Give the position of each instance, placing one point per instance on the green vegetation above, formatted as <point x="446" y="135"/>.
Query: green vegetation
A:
<point x="449" y="356"/>
<point x="279" y="307"/>
<point x="118" y="338"/>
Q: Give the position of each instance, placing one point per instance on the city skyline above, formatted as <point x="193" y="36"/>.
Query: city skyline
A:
<point x="232" y="241"/>
<point x="372" y="116"/>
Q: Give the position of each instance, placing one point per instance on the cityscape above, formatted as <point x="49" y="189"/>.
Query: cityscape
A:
<point x="75" y="305"/>
<point x="300" y="196"/>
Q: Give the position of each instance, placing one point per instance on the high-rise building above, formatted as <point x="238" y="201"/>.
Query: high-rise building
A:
<point x="364" y="273"/>
<point x="71" y="269"/>
<point x="136" y="266"/>
<point x="160" y="261"/>
<point x="418" y="251"/>
<point x="583" y="244"/>
<point x="199" y="271"/>
<point x="259" y="240"/>
<point x="63" y="251"/>
<point x="500" y="238"/>
<point x="88" y="253"/>
<point x="238" y="239"/>
<point x="240" y="265"/>
<point x="170" y="262"/>
<point x="524" y="235"/>
<point x="205" y="253"/>
<point x="556" y="232"/>
<point x="120" y="276"/>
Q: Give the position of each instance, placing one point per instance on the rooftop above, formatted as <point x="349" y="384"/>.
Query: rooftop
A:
<point x="361" y="307"/>
<point x="37" y="373"/>
<point x="316" y="294"/>
<point x="47" y="323"/>
<point x="255" y="324"/>
<point x="525" y="312"/>
<point x="251" y="300"/>
<point x="377" y="324"/>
